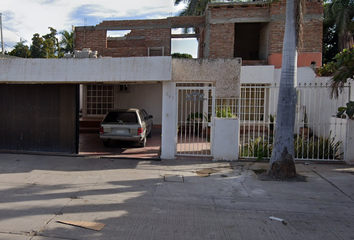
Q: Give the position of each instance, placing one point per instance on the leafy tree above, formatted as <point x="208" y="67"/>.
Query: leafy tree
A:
<point x="21" y="50"/>
<point x="341" y="70"/>
<point x="193" y="7"/>
<point x="282" y="164"/>
<point x="37" y="47"/>
<point x="51" y="43"/>
<point x="181" y="55"/>
<point x="340" y="14"/>
<point x="330" y="41"/>
<point x="67" y="41"/>
<point x="46" y="46"/>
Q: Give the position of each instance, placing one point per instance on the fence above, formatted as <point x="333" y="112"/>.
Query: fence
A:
<point x="319" y="134"/>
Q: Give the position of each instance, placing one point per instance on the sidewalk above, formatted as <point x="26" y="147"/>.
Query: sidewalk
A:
<point x="168" y="200"/>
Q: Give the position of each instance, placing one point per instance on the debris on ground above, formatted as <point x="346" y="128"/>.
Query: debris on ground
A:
<point x="278" y="219"/>
<point x="89" y="225"/>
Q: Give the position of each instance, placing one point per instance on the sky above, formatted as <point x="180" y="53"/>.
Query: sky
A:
<point x="23" y="18"/>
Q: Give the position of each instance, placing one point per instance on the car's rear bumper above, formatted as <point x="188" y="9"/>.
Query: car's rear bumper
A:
<point x="121" y="138"/>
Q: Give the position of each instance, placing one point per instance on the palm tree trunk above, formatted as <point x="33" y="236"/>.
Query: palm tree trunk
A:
<point x="282" y="163"/>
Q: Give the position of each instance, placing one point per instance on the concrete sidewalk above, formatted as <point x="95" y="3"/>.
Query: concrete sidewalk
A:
<point x="167" y="200"/>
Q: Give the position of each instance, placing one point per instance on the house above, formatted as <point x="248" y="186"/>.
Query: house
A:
<point x="239" y="56"/>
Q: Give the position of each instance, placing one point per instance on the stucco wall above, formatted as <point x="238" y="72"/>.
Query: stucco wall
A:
<point x="146" y="96"/>
<point x="225" y="73"/>
<point x="72" y="70"/>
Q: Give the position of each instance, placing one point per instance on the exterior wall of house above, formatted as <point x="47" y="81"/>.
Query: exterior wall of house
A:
<point x="224" y="73"/>
<point x="222" y="18"/>
<point x="145" y="96"/>
<point x="71" y="70"/>
<point x="147" y="37"/>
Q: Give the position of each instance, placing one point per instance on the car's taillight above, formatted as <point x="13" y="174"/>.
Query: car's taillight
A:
<point x="140" y="131"/>
<point x="101" y="130"/>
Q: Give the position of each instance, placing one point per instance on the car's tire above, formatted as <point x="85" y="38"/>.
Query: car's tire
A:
<point x="106" y="143"/>
<point x="150" y="134"/>
<point x="142" y="143"/>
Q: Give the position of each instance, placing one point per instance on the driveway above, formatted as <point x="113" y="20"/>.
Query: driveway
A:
<point x="91" y="145"/>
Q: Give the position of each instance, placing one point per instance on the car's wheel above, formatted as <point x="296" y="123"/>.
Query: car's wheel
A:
<point x="150" y="134"/>
<point x="142" y="143"/>
<point x="106" y="143"/>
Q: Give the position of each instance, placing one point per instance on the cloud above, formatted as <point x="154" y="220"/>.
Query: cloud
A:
<point x="28" y="17"/>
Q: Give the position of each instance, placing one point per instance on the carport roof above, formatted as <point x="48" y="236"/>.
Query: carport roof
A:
<point x="86" y="70"/>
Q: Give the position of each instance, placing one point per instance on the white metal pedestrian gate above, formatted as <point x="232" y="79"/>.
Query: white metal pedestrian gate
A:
<point x="195" y="116"/>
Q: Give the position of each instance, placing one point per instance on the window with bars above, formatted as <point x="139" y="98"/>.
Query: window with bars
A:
<point x="99" y="99"/>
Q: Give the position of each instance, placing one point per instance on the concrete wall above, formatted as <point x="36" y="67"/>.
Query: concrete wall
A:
<point x="146" y="96"/>
<point x="225" y="73"/>
<point x="349" y="155"/>
<point x="71" y="70"/>
<point x="169" y="121"/>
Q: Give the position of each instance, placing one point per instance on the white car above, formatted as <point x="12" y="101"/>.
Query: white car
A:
<point x="126" y="125"/>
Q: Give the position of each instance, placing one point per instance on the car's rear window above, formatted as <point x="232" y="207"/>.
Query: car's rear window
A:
<point x="121" y="117"/>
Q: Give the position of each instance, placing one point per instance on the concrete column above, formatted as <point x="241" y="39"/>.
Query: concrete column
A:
<point x="226" y="139"/>
<point x="349" y="153"/>
<point x="169" y="121"/>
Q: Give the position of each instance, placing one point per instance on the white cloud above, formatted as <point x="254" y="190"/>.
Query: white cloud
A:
<point x="26" y="17"/>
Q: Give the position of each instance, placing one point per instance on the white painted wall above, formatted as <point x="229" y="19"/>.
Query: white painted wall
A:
<point x="145" y="96"/>
<point x="349" y="155"/>
<point x="257" y="74"/>
<point x="226" y="139"/>
<point x="169" y="121"/>
<point x="86" y="70"/>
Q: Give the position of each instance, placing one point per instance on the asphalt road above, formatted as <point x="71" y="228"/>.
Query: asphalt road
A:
<point x="169" y="199"/>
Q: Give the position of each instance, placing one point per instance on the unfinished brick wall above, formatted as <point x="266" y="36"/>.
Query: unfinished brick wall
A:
<point x="145" y="34"/>
<point x="222" y="40"/>
<point x="154" y="33"/>
<point x="223" y="18"/>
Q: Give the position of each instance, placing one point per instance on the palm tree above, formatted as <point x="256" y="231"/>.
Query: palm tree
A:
<point x="282" y="164"/>
<point x="193" y="8"/>
<point x="67" y="41"/>
<point x="340" y="13"/>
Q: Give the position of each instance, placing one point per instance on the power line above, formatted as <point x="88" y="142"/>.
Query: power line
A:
<point x="15" y="33"/>
<point x="18" y="22"/>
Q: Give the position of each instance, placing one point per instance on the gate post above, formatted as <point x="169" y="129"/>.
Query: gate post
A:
<point x="169" y="123"/>
<point x="349" y="150"/>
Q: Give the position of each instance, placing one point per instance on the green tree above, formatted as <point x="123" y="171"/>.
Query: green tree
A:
<point x="282" y="164"/>
<point x="330" y="41"/>
<point x="340" y="14"/>
<point x="181" y="55"/>
<point x="21" y="50"/>
<point x="37" y="47"/>
<point x="46" y="46"/>
<point x="51" y="43"/>
<point x="193" y="7"/>
<point x="67" y="41"/>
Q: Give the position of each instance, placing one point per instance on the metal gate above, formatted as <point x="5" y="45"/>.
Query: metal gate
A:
<point x="195" y="114"/>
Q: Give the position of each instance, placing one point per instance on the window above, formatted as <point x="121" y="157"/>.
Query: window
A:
<point x="100" y="99"/>
<point x="124" y="88"/>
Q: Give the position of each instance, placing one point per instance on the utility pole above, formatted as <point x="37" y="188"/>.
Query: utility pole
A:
<point x="2" y="38"/>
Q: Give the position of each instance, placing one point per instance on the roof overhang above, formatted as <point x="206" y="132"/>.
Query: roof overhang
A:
<point x="86" y="70"/>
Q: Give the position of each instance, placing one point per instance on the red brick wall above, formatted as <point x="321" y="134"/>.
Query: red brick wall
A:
<point x="222" y="40"/>
<point x="222" y="35"/>
<point x="96" y="39"/>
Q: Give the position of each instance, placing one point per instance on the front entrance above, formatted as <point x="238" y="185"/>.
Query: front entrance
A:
<point x="195" y="105"/>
